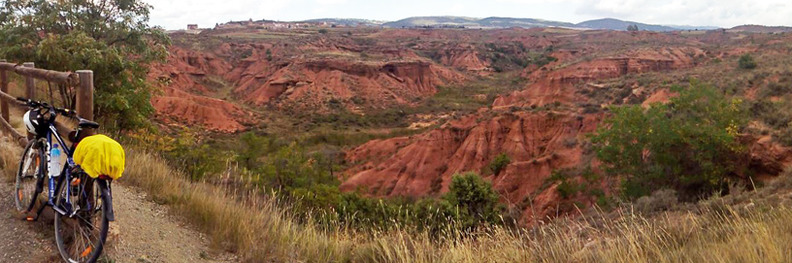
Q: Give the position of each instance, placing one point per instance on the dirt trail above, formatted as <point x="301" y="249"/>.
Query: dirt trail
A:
<point x="143" y="232"/>
<point x="22" y="241"/>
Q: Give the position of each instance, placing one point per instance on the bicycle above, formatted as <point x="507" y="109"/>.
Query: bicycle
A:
<point x="83" y="205"/>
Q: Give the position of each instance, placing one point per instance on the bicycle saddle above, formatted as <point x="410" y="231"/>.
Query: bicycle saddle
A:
<point x="87" y="124"/>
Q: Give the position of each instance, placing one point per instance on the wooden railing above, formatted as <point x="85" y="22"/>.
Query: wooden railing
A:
<point x="81" y="82"/>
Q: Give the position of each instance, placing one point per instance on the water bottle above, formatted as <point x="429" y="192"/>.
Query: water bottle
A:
<point x="56" y="160"/>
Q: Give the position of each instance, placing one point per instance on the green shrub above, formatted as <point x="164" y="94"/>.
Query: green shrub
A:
<point x="474" y="199"/>
<point x="567" y="189"/>
<point x="746" y="62"/>
<point x="499" y="163"/>
<point x="198" y="159"/>
<point x="689" y="145"/>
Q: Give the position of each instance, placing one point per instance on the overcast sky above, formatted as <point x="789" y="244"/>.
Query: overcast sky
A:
<point x="176" y="14"/>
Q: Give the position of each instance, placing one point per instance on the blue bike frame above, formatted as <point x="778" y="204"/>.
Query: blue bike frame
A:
<point x="65" y="172"/>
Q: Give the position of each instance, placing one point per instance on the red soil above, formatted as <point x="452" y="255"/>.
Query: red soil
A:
<point x="557" y="85"/>
<point x="312" y="84"/>
<point x="187" y="109"/>
<point x="537" y="144"/>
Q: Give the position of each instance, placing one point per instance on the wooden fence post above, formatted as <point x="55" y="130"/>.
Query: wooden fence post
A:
<point x="30" y="82"/>
<point x="85" y="104"/>
<point x="4" y="89"/>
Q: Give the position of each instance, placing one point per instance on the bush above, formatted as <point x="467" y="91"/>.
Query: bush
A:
<point x="689" y="145"/>
<point x="198" y="159"/>
<point x="474" y="200"/>
<point x="323" y="31"/>
<point x="499" y="163"/>
<point x="660" y="200"/>
<point x="746" y="62"/>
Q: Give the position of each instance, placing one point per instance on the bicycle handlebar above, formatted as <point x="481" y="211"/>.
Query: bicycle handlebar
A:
<point x="38" y="104"/>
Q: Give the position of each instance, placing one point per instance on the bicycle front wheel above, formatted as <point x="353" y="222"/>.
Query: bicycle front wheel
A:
<point x="32" y="167"/>
<point x="81" y="235"/>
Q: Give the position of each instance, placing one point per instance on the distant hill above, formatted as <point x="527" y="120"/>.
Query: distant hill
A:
<point x="761" y="29"/>
<point x="346" y="21"/>
<point x="616" y="24"/>
<point x="694" y="27"/>
<point x="434" y="21"/>
<point x="490" y="22"/>
<point x="508" y="22"/>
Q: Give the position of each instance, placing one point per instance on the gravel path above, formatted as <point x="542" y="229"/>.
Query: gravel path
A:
<point x="143" y="232"/>
<point x="22" y="241"/>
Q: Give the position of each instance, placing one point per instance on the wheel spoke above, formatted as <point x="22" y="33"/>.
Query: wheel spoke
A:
<point x="26" y="178"/>
<point x="84" y="239"/>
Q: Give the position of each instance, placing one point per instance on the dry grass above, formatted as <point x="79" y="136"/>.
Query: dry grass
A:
<point x="254" y="226"/>
<point x="261" y="230"/>
<point x="751" y="227"/>
<point x="9" y="158"/>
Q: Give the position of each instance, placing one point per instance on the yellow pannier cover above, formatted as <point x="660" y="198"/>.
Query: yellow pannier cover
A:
<point x="98" y="155"/>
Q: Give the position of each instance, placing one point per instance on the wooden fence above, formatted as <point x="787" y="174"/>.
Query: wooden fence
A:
<point x="80" y="82"/>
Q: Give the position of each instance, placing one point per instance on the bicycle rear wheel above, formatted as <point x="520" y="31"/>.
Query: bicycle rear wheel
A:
<point x="29" y="177"/>
<point x="80" y="237"/>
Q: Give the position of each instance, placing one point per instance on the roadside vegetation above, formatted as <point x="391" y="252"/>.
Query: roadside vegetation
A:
<point x="748" y="227"/>
<point x="272" y="194"/>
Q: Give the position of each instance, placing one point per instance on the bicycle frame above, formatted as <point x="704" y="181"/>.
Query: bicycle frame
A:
<point x="65" y="173"/>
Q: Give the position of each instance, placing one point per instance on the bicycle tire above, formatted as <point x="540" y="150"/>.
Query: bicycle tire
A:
<point x="26" y="184"/>
<point x="70" y="249"/>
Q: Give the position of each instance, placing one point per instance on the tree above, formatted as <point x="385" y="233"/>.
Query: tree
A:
<point x="632" y="28"/>
<point x="474" y="200"/>
<point x="110" y="37"/>
<point x="689" y="144"/>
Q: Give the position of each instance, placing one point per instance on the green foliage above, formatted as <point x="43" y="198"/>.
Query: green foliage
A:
<point x="112" y="38"/>
<point x="291" y="168"/>
<point x="471" y="202"/>
<point x="198" y="159"/>
<point x="253" y="147"/>
<point x="474" y="199"/>
<point x="574" y="182"/>
<point x="499" y="163"/>
<point x="269" y="55"/>
<point x="746" y="62"/>
<point x="567" y="189"/>
<point x="689" y="144"/>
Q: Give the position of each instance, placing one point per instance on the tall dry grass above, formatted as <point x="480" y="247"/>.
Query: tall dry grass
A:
<point x="9" y="158"/>
<point x="757" y="228"/>
<point x="261" y="230"/>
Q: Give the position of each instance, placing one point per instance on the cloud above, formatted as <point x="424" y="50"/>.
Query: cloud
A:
<point x="174" y="14"/>
<point x="331" y="2"/>
<point x="725" y="13"/>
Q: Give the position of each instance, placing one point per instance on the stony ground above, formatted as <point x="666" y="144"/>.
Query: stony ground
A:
<point x="143" y="232"/>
